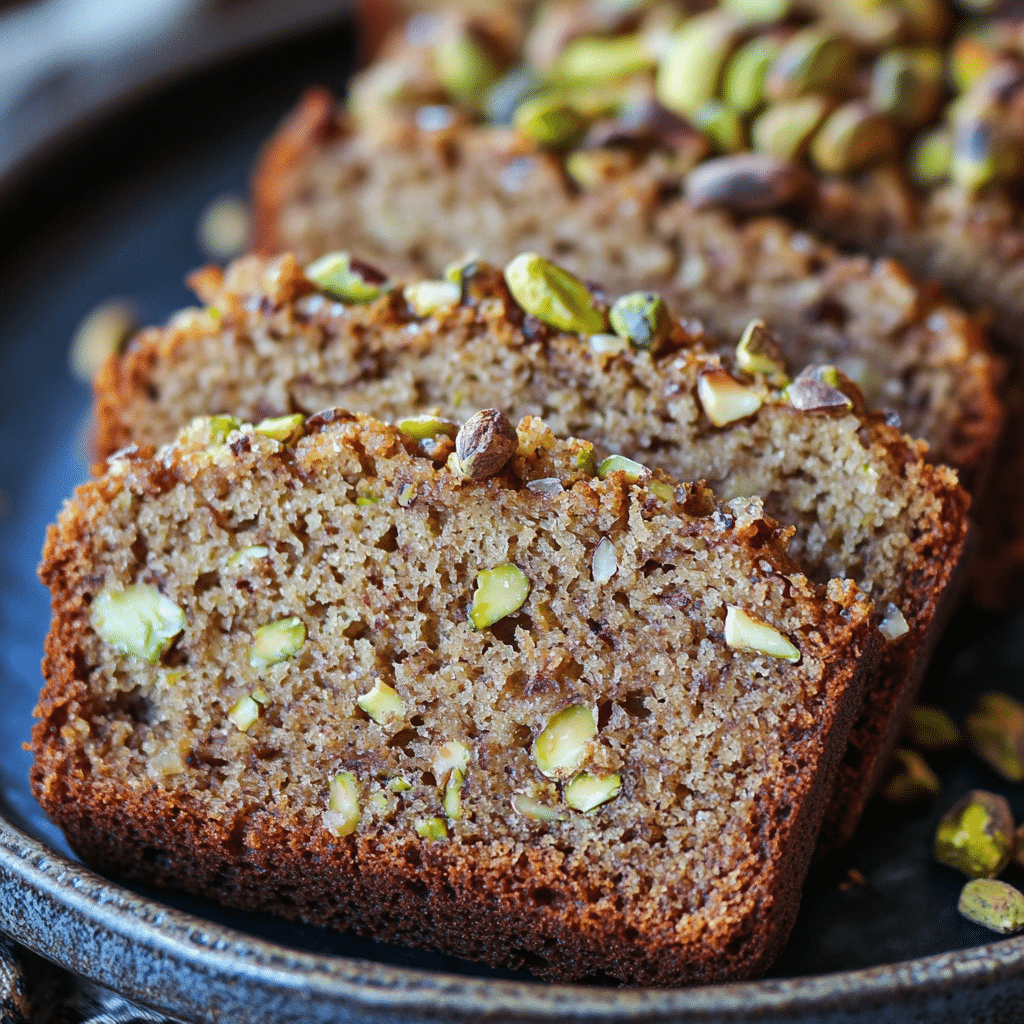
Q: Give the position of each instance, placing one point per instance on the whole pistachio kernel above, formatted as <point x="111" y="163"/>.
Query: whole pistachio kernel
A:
<point x="425" y="428"/>
<point x="280" y="428"/>
<point x="553" y="295"/>
<point x="465" y="69"/>
<point x="452" y="801"/>
<point x="721" y="126"/>
<point x="692" y="65"/>
<point x="499" y="592"/>
<point x="976" y="835"/>
<point x="993" y="904"/>
<point x="602" y="58"/>
<point x="244" y="713"/>
<point x="786" y="128"/>
<point x="743" y="79"/>
<point x="812" y="60"/>
<point x="485" y="443"/>
<point x="535" y="810"/>
<point x="995" y="732"/>
<point x="758" y="352"/>
<point x="724" y="399"/>
<point x="747" y="632"/>
<point x="634" y="471"/>
<point x="549" y="120"/>
<point x="642" y="319"/>
<point x="382" y="703"/>
<point x="138" y="620"/>
<point x="563" y="745"/>
<point x="276" y="642"/>
<point x="853" y="136"/>
<point x="907" y="84"/>
<point x="931" y="728"/>
<point x="342" y="815"/>
<point x="909" y="779"/>
<point x="345" y="278"/>
<point x="587" y="792"/>
<point x="746" y="182"/>
<point x="432" y="829"/>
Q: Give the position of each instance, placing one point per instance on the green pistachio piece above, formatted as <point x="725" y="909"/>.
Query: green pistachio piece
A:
<point x="138" y="621"/>
<point x="220" y="427"/>
<point x="586" y="460"/>
<point x="689" y="72"/>
<point x="601" y="58"/>
<point x="433" y="829"/>
<point x="975" y="835"/>
<point x="661" y="490"/>
<point x="852" y="136"/>
<point x="744" y="76"/>
<point x="382" y="703"/>
<point x="907" y="85"/>
<point x="724" y="399"/>
<point x="592" y="167"/>
<point x="464" y="67"/>
<point x="399" y="785"/>
<point x="930" y="728"/>
<point x="813" y="60"/>
<point x="428" y="427"/>
<point x="909" y="779"/>
<point x="758" y="352"/>
<point x="608" y="344"/>
<point x="534" y="810"/>
<point x="747" y="632"/>
<point x="721" y="126"/>
<point x="499" y="592"/>
<point x="485" y="443"/>
<point x="563" y="745"/>
<point x="342" y="815"/>
<point x="606" y="561"/>
<point x="586" y="791"/>
<point x="932" y="156"/>
<point x="759" y="12"/>
<point x="642" y="319"/>
<point x="992" y="904"/>
<point x="345" y="278"/>
<point x="995" y="732"/>
<point x="549" y="120"/>
<point x="785" y="129"/>
<point x="634" y="471"/>
<point x="243" y="713"/>
<point x="451" y="756"/>
<point x="452" y="802"/>
<point x="429" y="297"/>
<point x="553" y="295"/>
<point x="281" y="428"/>
<point x="276" y="642"/>
<point x="260" y="695"/>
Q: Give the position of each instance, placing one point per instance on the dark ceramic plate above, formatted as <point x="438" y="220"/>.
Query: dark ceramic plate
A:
<point x="112" y="211"/>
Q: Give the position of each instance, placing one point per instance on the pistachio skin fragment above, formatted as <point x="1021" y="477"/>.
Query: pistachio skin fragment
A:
<point x="634" y="471"/>
<point x="587" y="792"/>
<point x="382" y="703"/>
<point x="553" y="295"/>
<point x="345" y="278"/>
<point x="975" y="836"/>
<point x="746" y="632"/>
<point x="993" y="904"/>
<point x="342" y="816"/>
<point x="930" y="728"/>
<point x="499" y="592"/>
<point x="280" y="428"/>
<point x="563" y="745"/>
<point x="995" y="733"/>
<point x="642" y="319"/>
<point x="909" y="779"/>
<point x="138" y="620"/>
<point x="485" y="443"/>
<point x="276" y="642"/>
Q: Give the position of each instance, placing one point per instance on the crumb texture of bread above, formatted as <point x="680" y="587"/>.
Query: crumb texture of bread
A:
<point x="690" y="872"/>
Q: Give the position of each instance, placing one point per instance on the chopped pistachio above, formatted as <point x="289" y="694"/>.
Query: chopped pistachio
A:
<point x="608" y="344"/>
<point x="549" y="120"/>
<point x="909" y="779"/>
<point x="975" y="835"/>
<point x="553" y="295"/>
<point x="970" y="59"/>
<point x="606" y="561"/>
<point x="276" y="642"/>
<point x="744" y="76"/>
<point x="451" y="756"/>
<point x="260" y="695"/>
<point x="367" y="498"/>
<point x="343" y="277"/>
<point x="399" y="785"/>
<point x="342" y="816"/>
<point x="634" y="471"/>
<point x="587" y="791"/>
<point x="758" y="352"/>
<point x="759" y="12"/>
<point x="452" y="802"/>
<point x="534" y="810"/>
<point x="485" y="443"/>
<point x="721" y="126"/>
<point x="812" y="60"/>
<point x="785" y="129"/>
<point x="931" y="728"/>
<point x="499" y="592"/>
<point x="380" y="801"/>
<point x="433" y="829"/>
<point x="893" y="625"/>
<point x="995" y="732"/>
<point x="747" y="632"/>
<point x="281" y="428"/>
<point x="692" y="65"/>
<point x="992" y="904"/>
<point x="138" y="621"/>
<point x="642" y="319"/>
<point x="406" y="494"/>
<point x="601" y="58"/>
<point x="852" y="136"/>
<point x="819" y="389"/>
<point x="509" y="92"/>
<point x="247" y="554"/>
<point x="382" y="703"/>
<point x="174" y="677"/>
<point x="427" y="427"/>
<point x="661" y="490"/>
<point x="220" y="427"/>
<point x="243" y="713"/>
<point x="465" y="69"/>
<point x="590" y="168"/>
<point x="428" y="297"/>
<point x="724" y="399"/>
<point x="907" y="85"/>
<point x="586" y="460"/>
<point x="563" y="745"/>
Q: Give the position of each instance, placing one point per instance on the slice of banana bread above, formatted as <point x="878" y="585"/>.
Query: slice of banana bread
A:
<point x="864" y="501"/>
<point x="501" y="705"/>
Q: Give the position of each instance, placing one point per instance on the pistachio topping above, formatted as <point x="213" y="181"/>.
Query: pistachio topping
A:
<point x="786" y="129"/>
<point x="399" y="785"/>
<point x="587" y="792"/>
<point x="564" y="744"/>
<point x="485" y="443"/>
<point x="995" y="732"/>
<point x="745" y="73"/>
<point x="553" y="295"/>
<point x="812" y="60"/>
<point x="661" y="490"/>
<point x="746" y="182"/>
<point x="276" y="642"/>
<point x="993" y="904"/>
<point x="342" y="815"/>
<point x="758" y="352"/>
<point x="747" y="632"/>
<point x="343" y="277"/>
<point x="432" y="829"/>
<point x="930" y="728"/>
<point x="549" y="120"/>
<point x="642" y="319"/>
<point x="243" y="713"/>
<point x="220" y="427"/>
<point x="634" y="471"/>
<point x="606" y="561"/>
<point x="909" y="779"/>
<point x="499" y="592"/>
<point x="429" y="297"/>
<point x="853" y="136"/>
<point x="907" y="85"/>
<point x="535" y="810"/>
<point x="721" y="126"/>
<point x="586" y="460"/>
<point x="601" y="58"/>
<point x="724" y="399"/>
<point x="975" y="835"/>
<point x="281" y="428"/>
<point x="818" y="389"/>
<point x="382" y="703"/>
<point x="692" y="65"/>
<point x="465" y="69"/>
<point x="425" y="428"/>
<point x="138" y="620"/>
<point x="932" y="156"/>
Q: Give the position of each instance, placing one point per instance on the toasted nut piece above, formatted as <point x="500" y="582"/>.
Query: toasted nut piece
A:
<point x="852" y="136"/>
<point x="452" y="802"/>
<point x="586" y="460"/>
<point x="428" y="297"/>
<point x="553" y="295"/>
<point x="758" y="352"/>
<point x="743" y="79"/>
<point x="661" y="490"/>
<point x="819" y="389"/>
<point x="690" y="70"/>
<point x="995" y="732"/>
<point x="642" y="318"/>
<point x="634" y="471"/>
<point x="721" y="126"/>
<point x="746" y="632"/>
<point x="564" y="744"/>
<point x="499" y="592"/>
<point x="932" y="729"/>
<point x="975" y="835"/>
<point x="606" y="561"/>
<point x="592" y="167"/>
<point x="601" y="58"/>
<point x="138" y="620"/>
<point x="281" y="428"/>
<point x="608" y="344"/>
<point x="548" y="485"/>
<point x="909" y="778"/>
<point x="925" y="21"/>
<point x="104" y="331"/>
<point x="907" y="85"/>
<point x="243" y="713"/>
<point x="812" y="60"/>
<point x="485" y="443"/>
<point x="549" y="119"/>
<point x="342" y="815"/>
<point x="893" y="624"/>
<point x="342" y="276"/>
<point x="992" y="904"/>
<point x="220" y="427"/>
<point x="276" y="642"/>
<point x="534" y="810"/>
<point x="464" y="67"/>
<point x="382" y="703"/>
<point x="932" y="156"/>
<point x="785" y="129"/>
<point x="724" y="399"/>
<point x="399" y="785"/>
<point x="428" y="427"/>
<point x="433" y="829"/>
<point x="451" y="756"/>
<point x="587" y="791"/>
<point x="746" y="183"/>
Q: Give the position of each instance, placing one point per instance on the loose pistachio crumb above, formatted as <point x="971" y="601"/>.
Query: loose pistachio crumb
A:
<point x="342" y="816"/>
<point x="499" y="592"/>
<point x="243" y="713"/>
<point x="247" y="554"/>
<point x="746" y="632"/>
<point x="661" y="490"/>
<point x="260" y="695"/>
<point x="382" y="703"/>
<point x="586" y="460"/>
<point x="586" y="791"/>
<point x="433" y="829"/>
<point x="276" y="642"/>
<point x="451" y="756"/>
<point x="724" y="399"/>
<point x="406" y="494"/>
<point x="138" y="620"/>
<point x="615" y="463"/>
<point x="280" y="428"/>
<point x="399" y="785"/>
<point x="564" y="743"/>
<point x="428" y="427"/>
<point x="221" y="426"/>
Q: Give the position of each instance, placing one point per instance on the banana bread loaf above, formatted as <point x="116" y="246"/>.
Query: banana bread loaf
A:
<point x="497" y="704"/>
